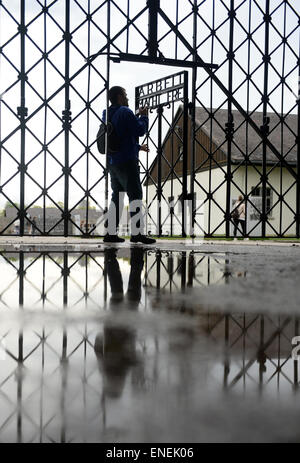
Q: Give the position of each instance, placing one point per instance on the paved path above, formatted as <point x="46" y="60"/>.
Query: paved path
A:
<point x="175" y="244"/>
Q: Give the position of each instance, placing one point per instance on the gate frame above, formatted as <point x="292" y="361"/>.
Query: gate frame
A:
<point x="153" y="56"/>
<point x="160" y="109"/>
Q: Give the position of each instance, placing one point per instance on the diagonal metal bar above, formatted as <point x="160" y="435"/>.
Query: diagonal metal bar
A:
<point x="228" y="94"/>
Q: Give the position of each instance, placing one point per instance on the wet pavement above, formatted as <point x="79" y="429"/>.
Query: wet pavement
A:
<point x="177" y="343"/>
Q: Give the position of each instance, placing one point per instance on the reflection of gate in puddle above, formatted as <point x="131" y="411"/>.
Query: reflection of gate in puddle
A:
<point x="50" y="376"/>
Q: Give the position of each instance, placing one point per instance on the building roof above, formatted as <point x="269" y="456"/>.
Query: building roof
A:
<point x="282" y="134"/>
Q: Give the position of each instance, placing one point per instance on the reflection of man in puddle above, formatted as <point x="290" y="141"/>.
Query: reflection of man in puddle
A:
<point x="115" y="348"/>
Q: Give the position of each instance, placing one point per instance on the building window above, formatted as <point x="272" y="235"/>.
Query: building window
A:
<point x="179" y="266"/>
<point x="257" y="192"/>
<point x="189" y="204"/>
<point x="170" y="265"/>
<point x="180" y="153"/>
<point x="179" y="204"/>
<point x="171" y="204"/>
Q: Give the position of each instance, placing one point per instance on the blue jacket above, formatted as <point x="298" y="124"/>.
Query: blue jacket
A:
<point x="128" y="127"/>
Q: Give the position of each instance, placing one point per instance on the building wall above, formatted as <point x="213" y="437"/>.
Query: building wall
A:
<point x="210" y="216"/>
<point x="53" y="220"/>
<point x="172" y="150"/>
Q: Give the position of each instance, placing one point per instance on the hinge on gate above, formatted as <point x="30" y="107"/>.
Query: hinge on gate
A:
<point x="65" y="272"/>
<point x="67" y="36"/>
<point x="22" y="111"/>
<point x="66" y="170"/>
<point x="297" y="218"/>
<point x="66" y="118"/>
<point x="66" y="215"/>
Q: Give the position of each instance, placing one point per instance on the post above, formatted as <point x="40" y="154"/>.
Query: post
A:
<point x="230" y="125"/>
<point x="22" y="113"/>
<point x="183" y="270"/>
<point x="158" y="264"/>
<point x="226" y="353"/>
<point x="160" y="111"/>
<point x="265" y="127"/>
<point x="107" y="103"/>
<point x="185" y="154"/>
<point x="153" y="6"/>
<point x="65" y="275"/>
<point x="21" y="274"/>
<point x="192" y="117"/>
<point x="298" y="157"/>
<point x="66" y="117"/>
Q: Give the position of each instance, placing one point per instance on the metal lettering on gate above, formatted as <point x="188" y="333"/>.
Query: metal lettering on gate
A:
<point x="159" y="95"/>
<point x="162" y="91"/>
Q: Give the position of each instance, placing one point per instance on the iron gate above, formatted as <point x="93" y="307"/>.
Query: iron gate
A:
<point x="70" y="289"/>
<point x="57" y="63"/>
<point x="161" y="97"/>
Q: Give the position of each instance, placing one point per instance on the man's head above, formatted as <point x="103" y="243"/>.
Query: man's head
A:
<point x="118" y="96"/>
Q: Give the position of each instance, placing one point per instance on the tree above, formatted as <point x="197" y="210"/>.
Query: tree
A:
<point x="9" y="204"/>
<point x="59" y="203"/>
<point x="83" y="205"/>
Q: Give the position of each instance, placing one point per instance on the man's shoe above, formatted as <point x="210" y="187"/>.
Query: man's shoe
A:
<point x="112" y="239"/>
<point x="142" y="239"/>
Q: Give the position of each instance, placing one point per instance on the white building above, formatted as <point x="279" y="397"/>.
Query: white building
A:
<point x="211" y="161"/>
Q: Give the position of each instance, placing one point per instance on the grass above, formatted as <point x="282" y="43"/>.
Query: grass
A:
<point x="224" y="238"/>
<point x="217" y="237"/>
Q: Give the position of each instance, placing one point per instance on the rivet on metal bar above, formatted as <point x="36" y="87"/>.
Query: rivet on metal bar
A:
<point x="66" y="170"/>
<point x="22" y="29"/>
<point x="65" y="272"/>
<point x="67" y="36"/>
<point x="66" y="215"/>
<point x="22" y="76"/>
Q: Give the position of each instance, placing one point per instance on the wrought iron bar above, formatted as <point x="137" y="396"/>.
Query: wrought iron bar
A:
<point x="297" y="141"/>
<point x="153" y="6"/>
<point x="192" y="114"/>
<point x="66" y="118"/>
<point x="185" y="156"/>
<point x="265" y="126"/>
<point x="230" y="124"/>
<point x="22" y="113"/>
<point x="160" y="110"/>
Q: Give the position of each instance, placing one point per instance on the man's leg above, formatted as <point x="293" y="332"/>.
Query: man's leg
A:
<point x="236" y="223"/>
<point x="243" y="225"/>
<point x="115" y="208"/>
<point x="134" y="282"/>
<point x="114" y="274"/>
<point x="135" y="195"/>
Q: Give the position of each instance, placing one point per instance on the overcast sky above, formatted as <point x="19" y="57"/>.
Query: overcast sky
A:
<point x="89" y="39"/>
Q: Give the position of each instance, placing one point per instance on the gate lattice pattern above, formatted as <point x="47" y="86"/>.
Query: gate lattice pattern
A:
<point x="51" y="389"/>
<point x="55" y="69"/>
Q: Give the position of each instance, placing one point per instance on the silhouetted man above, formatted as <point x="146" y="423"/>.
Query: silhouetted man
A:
<point x="123" y="167"/>
<point x="115" y="348"/>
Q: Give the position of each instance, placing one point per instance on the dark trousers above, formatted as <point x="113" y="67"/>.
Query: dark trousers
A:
<point x="115" y="348"/>
<point x="125" y="178"/>
<point x="242" y="224"/>
<point x="115" y="276"/>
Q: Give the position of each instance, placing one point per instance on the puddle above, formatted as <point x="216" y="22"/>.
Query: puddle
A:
<point x="135" y="345"/>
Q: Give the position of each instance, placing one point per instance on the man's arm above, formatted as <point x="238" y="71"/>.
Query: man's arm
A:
<point x="137" y="126"/>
